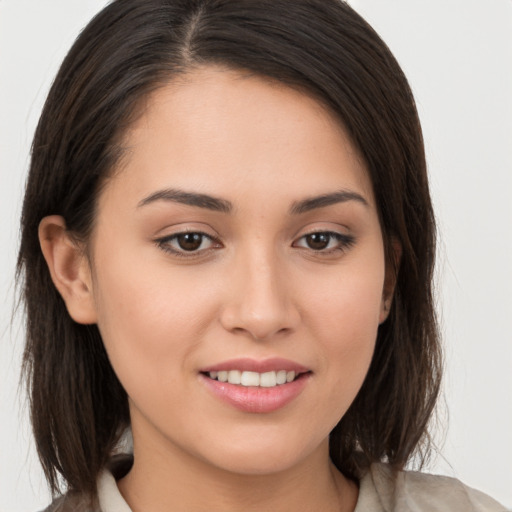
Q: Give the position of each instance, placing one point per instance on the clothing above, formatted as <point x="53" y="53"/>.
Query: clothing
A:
<point x="380" y="490"/>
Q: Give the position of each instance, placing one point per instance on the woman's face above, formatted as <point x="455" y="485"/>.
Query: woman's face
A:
<point x="240" y="240"/>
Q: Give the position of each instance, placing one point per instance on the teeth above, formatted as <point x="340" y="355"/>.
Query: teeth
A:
<point x="264" y="380"/>
<point x="268" y="380"/>
<point x="250" y="379"/>
<point x="235" y="377"/>
<point x="281" y="377"/>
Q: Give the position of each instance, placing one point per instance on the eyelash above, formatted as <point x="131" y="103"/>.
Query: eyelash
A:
<point x="344" y="243"/>
<point x="164" y="244"/>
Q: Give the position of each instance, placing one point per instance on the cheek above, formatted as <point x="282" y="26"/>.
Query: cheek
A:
<point x="345" y="320"/>
<point x="346" y="306"/>
<point x="148" y="325"/>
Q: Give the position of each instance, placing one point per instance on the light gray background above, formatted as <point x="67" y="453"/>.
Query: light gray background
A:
<point x="458" y="57"/>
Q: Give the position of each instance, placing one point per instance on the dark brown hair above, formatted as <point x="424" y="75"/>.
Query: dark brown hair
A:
<point x="131" y="48"/>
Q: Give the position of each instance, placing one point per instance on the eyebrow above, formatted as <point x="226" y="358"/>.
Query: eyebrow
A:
<point x="324" y="200"/>
<point x="222" y="205"/>
<point x="189" y="198"/>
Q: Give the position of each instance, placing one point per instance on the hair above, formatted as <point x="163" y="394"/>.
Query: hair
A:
<point x="130" y="49"/>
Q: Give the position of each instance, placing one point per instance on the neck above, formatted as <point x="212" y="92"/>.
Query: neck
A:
<point x="175" y="480"/>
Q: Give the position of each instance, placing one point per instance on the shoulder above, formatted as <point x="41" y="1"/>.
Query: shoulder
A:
<point x="108" y="496"/>
<point x="386" y="490"/>
<point x="71" y="502"/>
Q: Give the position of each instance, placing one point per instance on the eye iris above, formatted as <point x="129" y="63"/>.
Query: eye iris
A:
<point x="190" y="241"/>
<point x="318" y="241"/>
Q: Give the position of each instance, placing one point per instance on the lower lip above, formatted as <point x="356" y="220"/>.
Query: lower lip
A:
<point x="257" y="399"/>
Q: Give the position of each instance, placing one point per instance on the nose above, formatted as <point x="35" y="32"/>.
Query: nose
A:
<point x="260" y="300"/>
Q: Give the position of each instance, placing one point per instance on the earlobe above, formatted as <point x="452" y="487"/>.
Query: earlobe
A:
<point x="69" y="268"/>
<point x="392" y="268"/>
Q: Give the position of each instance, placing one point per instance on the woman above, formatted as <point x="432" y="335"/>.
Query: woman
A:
<point x="234" y="252"/>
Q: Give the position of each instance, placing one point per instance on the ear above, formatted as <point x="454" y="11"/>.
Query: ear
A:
<point x="69" y="269"/>
<point x="392" y="266"/>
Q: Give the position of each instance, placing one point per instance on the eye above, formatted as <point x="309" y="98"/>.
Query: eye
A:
<point x="325" y="241"/>
<point x="187" y="243"/>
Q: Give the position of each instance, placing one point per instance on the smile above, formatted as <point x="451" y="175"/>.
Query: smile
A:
<point x="253" y="386"/>
<point x="250" y="379"/>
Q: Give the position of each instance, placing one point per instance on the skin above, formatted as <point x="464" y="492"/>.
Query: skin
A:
<point x="254" y="288"/>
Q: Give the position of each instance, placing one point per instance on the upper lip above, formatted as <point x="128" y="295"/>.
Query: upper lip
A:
<point x="255" y="365"/>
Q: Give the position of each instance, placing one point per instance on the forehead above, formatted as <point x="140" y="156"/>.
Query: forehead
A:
<point x="213" y="127"/>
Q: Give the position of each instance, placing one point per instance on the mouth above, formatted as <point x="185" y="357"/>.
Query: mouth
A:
<point x="256" y="386"/>
<point x="254" y="379"/>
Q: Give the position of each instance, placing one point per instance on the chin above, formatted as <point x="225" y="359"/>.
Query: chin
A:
<point x="264" y="456"/>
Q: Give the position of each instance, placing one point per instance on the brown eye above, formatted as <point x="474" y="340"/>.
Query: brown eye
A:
<point x="325" y="242"/>
<point x="318" y="241"/>
<point x="190" y="241"/>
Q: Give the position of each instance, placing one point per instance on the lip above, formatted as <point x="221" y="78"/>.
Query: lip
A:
<point x="260" y="366"/>
<point x="255" y="399"/>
